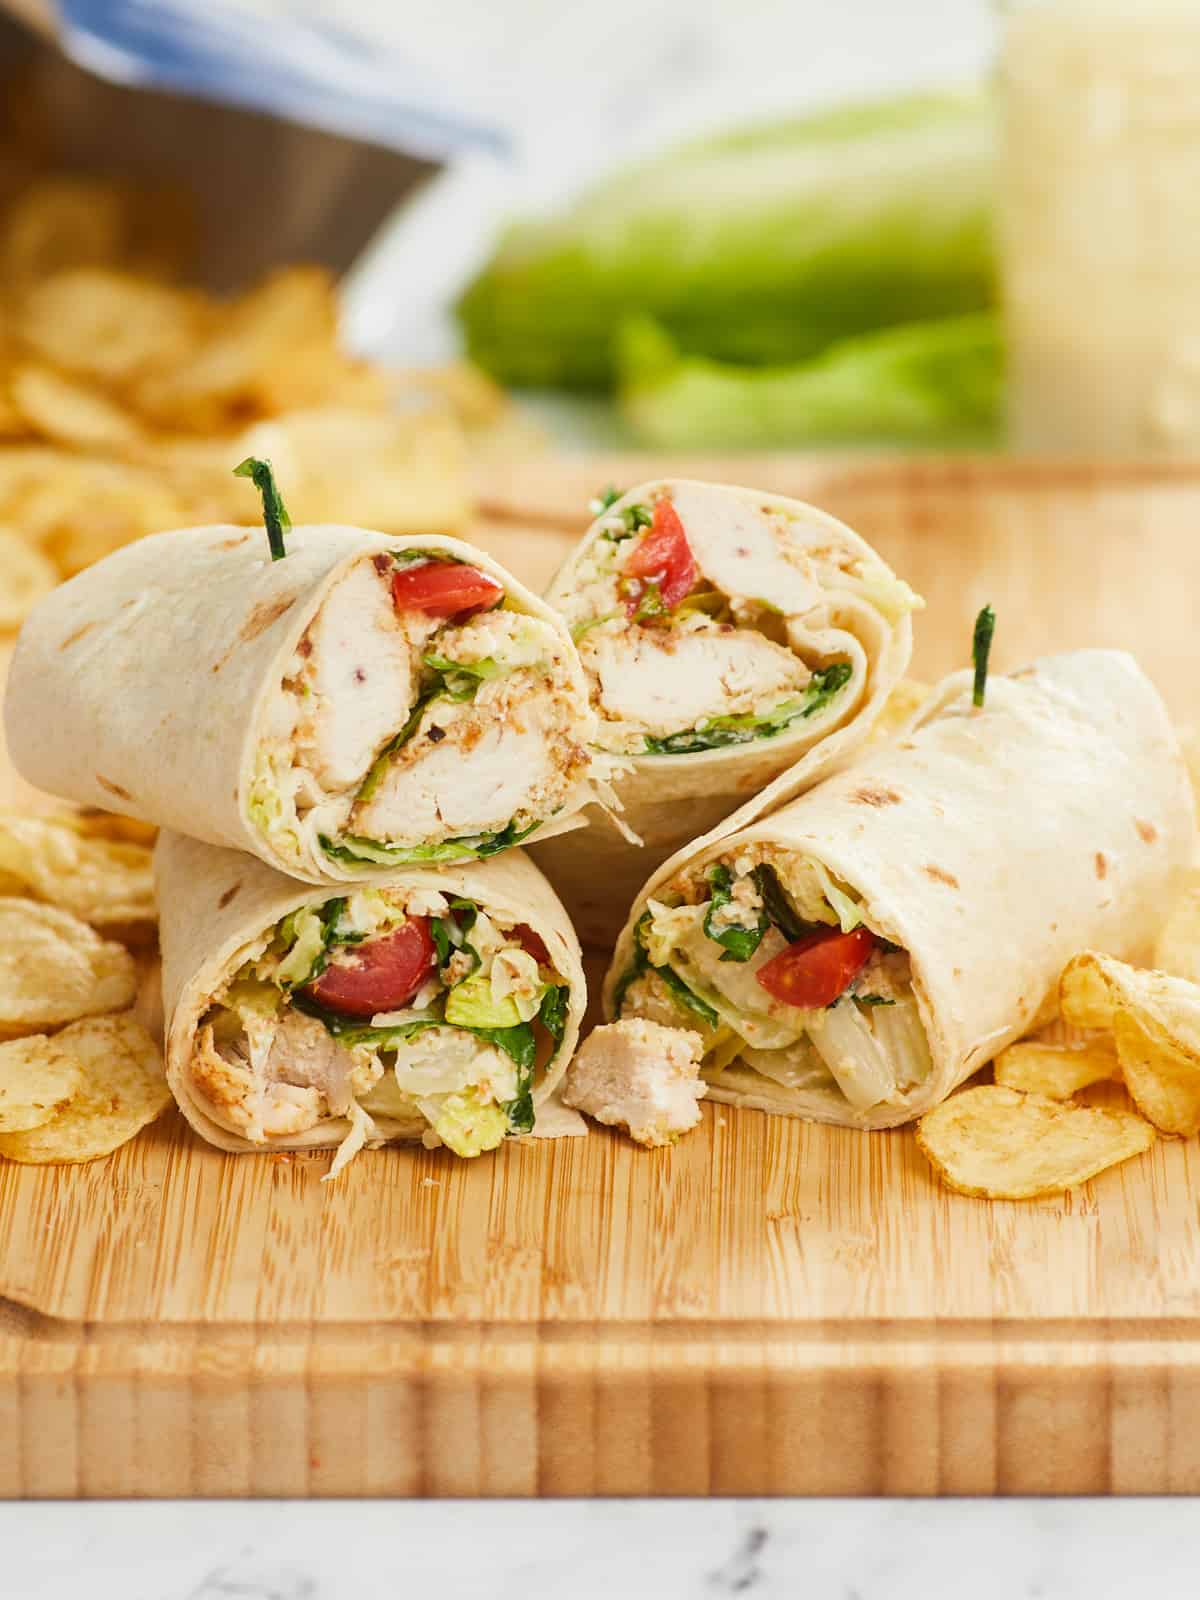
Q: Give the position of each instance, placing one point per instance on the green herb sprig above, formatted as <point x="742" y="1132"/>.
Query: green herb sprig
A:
<point x="981" y="649"/>
<point x="274" y="511"/>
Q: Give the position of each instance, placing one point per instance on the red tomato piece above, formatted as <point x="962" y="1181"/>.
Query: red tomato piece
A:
<point x="818" y="968"/>
<point x="380" y="974"/>
<point x="663" y="556"/>
<point x="531" y="943"/>
<point x="444" y="589"/>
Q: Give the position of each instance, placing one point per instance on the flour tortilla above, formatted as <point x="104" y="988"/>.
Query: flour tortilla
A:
<point x="992" y="845"/>
<point x="143" y="685"/>
<point x="666" y="800"/>
<point x="216" y="903"/>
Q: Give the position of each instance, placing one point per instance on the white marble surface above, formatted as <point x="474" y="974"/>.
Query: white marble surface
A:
<point x="601" y="1550"/>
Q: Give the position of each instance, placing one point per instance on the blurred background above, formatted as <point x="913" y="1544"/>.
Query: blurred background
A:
<point x="389" y="246"/>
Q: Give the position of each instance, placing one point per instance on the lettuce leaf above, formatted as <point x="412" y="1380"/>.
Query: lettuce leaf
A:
<point x="922" y="382"/>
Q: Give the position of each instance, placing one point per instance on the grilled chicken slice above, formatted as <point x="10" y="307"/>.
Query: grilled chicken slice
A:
<point x="664" y="680"/>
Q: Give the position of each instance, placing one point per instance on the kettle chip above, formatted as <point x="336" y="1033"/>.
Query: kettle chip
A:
<point x="1056" y="1070"/>
<point x="123" y="1089"/>
<point x="55" y="968"/>
<point x="106" y="882"/>
<point x="1002" y="1145"/>
<point x="37" y="1079"/>
<point x="1154" y="1018"/>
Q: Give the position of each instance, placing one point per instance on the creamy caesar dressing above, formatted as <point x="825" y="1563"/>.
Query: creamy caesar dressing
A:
<point x="715" y="646"/>
<point x="768" y="956"/>
<point x="456" y="1063"/>
<point x="399" y="735"/>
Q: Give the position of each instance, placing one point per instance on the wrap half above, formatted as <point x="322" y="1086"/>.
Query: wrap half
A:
<point x="857" y="954"/>
<point x="366" y="701"/>
<point x="441" y="1006"/>
<point x="736" y="644"/>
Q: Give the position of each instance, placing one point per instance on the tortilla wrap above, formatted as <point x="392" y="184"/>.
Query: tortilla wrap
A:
<point x="990" y="845"/>
<point x="217" y="905"/>
<point x="176" y="680"/>
<point x="829" y="599"/>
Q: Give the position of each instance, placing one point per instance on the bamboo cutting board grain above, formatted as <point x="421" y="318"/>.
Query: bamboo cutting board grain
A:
<point x="772" y="1307"/>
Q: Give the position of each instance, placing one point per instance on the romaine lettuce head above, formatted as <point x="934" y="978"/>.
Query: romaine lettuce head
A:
<point x="763" y="246"/>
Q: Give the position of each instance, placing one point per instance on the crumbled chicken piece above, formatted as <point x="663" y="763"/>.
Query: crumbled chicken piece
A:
<point x="887" y="973"/>
<point x="641" y="1076"/>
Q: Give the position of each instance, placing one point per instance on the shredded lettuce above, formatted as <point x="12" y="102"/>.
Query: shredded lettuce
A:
<point x="352" y="850"/>
<point x="819" y="691"/>
<point x="641" y="962"/>
<point x="465" y="1122"/>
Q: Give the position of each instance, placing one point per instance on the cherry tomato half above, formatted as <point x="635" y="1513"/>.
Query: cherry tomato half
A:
<point x="663" y="556"/>
<point x="531" y="943"/>
<point x="380" y="974"/>
<point x="444" y="589"/>
<point x="818" y="968"/>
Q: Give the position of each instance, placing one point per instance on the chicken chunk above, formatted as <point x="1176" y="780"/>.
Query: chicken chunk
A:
<point x="738" y="549"/>
<point x="641" y="1076"/>
<point x="471" y="769"/>
<point x="664" y="681"/>
<point x="358" y="679"/>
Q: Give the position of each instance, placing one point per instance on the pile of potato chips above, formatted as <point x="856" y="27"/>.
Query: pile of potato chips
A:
<point x="126" y="399"/>
<point x="80" y="1074"/>
<point x="1026" y="1136"/>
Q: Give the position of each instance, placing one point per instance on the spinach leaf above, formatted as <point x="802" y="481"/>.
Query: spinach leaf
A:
<point x="679" y="990"/>
<point x="737" y="943"/>
<point x="777" y="906"/>
<point x="553" y="1012"/>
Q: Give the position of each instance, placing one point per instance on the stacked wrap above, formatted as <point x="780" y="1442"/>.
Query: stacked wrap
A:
<point x="216" y="906"/>
<point x="989" y="844"/>
<point x="166" y="682"/>
<point x="803" y="589"/>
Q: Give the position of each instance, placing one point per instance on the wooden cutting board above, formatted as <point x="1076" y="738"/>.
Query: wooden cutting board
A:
<point x="769" y="1308"/>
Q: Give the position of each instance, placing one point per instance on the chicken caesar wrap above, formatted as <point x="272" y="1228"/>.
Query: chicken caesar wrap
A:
<point x="735" y="644"/>
<point x="442" y="1006"/>
<point x="363" y="702"/>
<point x="857" y="954"/>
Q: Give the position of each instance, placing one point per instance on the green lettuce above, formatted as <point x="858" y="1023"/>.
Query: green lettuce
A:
<point x="765" y="245"/>
<point x="721" y="731"/>
<point x="923" y="382"/>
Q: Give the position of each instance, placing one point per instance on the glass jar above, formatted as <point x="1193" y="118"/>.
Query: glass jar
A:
<point x="1100" y="224"/>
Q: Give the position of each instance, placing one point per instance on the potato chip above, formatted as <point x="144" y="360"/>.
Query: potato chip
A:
<point x="59" y="222"/>
<point x="68" y="412"/>
<point x="25" y="576"/>
<point x="107" y="883"/>
<point x="231" y="374"/>
<point x="1055" y="1070"/>
<point x="1084" y="997"/>
<point x="398" y="474"/>
<point x="54" y="968"/>
<point x="1163" y="1079"/>
<point x="903" y="702"/>
<point x="1189" y="743"/>
<point x="97" y="824"/>
<point x="37" y="1079"/>
<point x="1003" y="1145"/>
<point x="123" y="1090"/>
<point x="1178" y="947"/>
<point x="110" y="326"/>
<point x="1155" y="1021"/>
